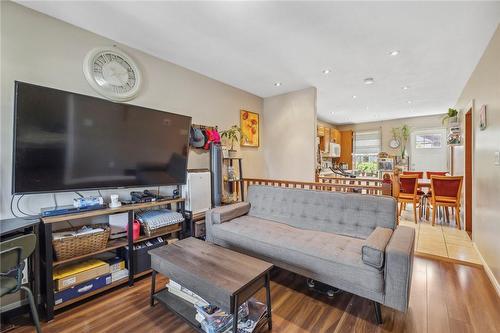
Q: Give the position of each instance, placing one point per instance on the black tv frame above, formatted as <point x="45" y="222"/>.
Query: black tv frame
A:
<point x="16" y="85"/>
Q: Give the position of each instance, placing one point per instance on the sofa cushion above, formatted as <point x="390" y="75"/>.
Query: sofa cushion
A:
<point x="336" y="258"/>
<point x="226" y="213"/>
<point x="349" y="214"/>
<point x="373" y="249"/>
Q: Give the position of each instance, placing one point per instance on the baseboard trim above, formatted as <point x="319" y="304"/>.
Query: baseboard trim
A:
<point x="454" y="261"/>
<point x="488" y="271"/>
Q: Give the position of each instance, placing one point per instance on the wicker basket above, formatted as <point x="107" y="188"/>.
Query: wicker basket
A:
<point x="68" y="248"/>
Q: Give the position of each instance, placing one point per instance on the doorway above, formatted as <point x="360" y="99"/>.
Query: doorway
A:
<point x="468" y="171"/>
<point x="428" y="150"/>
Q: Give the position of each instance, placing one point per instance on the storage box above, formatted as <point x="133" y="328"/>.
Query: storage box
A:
<point x="199" y="228"/>
<point x="116" y="264"/>
<point x="67" y="276"/>
<point x="141" y="257"/>
<point x="118" y="275"/>
<point x="81" y="289"/>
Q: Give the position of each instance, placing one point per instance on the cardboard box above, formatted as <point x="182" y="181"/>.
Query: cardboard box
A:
<point x="71" y="275"/>
<point x="116" y="264"/>
<point x="81" y="289"/>
<point x="118" y="275"/>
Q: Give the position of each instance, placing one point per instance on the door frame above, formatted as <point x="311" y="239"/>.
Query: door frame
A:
<point x="469" y="166"/>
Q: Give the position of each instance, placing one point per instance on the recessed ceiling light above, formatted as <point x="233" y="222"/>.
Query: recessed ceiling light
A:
<point x="277" y="84"/>
<point x="409" y="102"/>
<point x="326" y="71"/>
<point x="405" y="87"/>
<point x="354" y="96"/>
<point x="369" y="80"/>
<point x="394" y="53"/>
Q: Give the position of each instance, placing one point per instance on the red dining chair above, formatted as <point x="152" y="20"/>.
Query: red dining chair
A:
<point x="428" y="195"/>
<point x="408" y="193"/>
<point x="419" y="174"/>
<point x="435" y="173"/>
<point x="446" y="192"/>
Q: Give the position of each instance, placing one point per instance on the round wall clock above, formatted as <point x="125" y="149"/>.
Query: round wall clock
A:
<point x="112" y="73"/>
<point x="394" y="143"/>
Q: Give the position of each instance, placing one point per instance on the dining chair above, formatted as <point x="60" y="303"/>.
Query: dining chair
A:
<point x="420" y="174"/>
<point x="12" y="255"/>
<point x="435" y="173"/>
<point x="428" y="195"/>
<point x="408" y="193"/>
<point x="446" y="192"/>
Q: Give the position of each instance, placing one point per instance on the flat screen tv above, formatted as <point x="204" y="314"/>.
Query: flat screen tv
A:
<point x="66" y="142"/>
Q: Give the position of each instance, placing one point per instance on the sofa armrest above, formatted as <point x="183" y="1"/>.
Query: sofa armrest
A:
<point x="223" y="214"/>
<point x="373" y="249"/>
<point x="398" y="268"/>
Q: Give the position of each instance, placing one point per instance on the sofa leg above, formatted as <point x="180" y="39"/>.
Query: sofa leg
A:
<point x="378" y="313"/>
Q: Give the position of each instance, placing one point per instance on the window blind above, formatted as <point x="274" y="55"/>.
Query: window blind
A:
<point x="367" y="142"/>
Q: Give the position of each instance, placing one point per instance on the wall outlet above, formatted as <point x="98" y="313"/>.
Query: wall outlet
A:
<point x="497" y="158"/>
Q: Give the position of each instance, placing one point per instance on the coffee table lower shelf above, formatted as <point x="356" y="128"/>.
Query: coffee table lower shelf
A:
<point x="179" y="306"/>
<point x="186" y="310"/>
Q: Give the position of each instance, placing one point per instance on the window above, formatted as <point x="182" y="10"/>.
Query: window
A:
<point x="426" y="141"/>
<point x="366" y="148"/>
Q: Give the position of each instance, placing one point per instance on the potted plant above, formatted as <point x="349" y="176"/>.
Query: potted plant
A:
<point x="452" y="113"/>
<point x="232" y="135"/>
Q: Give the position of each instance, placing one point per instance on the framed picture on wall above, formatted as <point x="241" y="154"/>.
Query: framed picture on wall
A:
<point x="249" y="123"/>
<point x="482" y="118"/>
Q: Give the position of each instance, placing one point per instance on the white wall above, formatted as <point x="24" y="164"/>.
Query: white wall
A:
<point x="386" y="126"/>
<point x="42" y="50"/>
<point x="290" y="134"/>
<point x="483" y="88"/>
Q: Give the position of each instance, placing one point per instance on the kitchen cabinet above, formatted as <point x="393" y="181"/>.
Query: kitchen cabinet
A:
<point x="324" y="141"/>
<point x="346" y="148"/>
<point x="335" y="135"/>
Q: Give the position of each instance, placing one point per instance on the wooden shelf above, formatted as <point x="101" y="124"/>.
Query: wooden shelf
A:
<point x="108" y="211"/>
<point x="232" y="158"/>
<point x="92" y="293"/>
<point x="146" y="272"/>
<point x="144" y="238"/>
<point x="112" y="245"/>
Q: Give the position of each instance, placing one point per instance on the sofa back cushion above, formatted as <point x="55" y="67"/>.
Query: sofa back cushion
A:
<point x="349" y="214"/>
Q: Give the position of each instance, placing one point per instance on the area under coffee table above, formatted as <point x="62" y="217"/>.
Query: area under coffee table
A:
<point x="223" y="277"/>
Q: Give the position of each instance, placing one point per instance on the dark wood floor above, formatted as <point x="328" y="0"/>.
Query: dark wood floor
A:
<point x="445" y="297"/>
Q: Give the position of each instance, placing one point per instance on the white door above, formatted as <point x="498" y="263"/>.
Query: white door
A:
<point x="428" y="150"/>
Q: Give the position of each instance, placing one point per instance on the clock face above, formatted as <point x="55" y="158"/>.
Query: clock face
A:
<point x="112" y="74"/>
<point x="394" y="143"/>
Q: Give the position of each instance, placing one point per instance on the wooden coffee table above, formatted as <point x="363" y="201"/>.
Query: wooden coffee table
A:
<point x="222" y="277"/>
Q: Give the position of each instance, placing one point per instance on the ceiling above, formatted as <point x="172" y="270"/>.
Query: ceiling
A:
<point x="253" y="45"/>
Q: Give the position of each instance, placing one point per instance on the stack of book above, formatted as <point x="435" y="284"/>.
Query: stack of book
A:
<point x="214" y="320"/>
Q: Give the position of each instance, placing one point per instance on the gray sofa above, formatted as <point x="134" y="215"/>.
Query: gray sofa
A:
<point x="346" y="240"/>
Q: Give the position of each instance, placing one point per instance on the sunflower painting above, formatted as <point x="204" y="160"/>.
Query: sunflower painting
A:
<point x="249" y="122"/>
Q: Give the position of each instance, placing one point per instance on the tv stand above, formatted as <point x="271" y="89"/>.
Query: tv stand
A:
<point x="46" y="251"/>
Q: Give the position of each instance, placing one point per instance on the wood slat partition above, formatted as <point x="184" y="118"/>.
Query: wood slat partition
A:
<point x="363" y="186"/>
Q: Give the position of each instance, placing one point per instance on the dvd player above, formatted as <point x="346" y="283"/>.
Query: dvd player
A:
<point x="70" y="209"/>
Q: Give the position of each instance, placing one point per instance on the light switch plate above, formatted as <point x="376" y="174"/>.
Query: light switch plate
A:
<point x="497" y="158"/>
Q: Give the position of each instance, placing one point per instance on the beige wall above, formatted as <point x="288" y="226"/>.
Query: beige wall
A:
<point x="483" y="88"/>
<point x="387" y="125"/>
<point x="290" y="134"/>
<point x="39" y="49"/>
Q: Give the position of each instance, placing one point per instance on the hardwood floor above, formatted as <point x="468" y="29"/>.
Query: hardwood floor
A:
<point x="445" y="297"/>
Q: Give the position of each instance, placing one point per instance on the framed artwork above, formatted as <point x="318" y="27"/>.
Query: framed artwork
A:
<point x="482" y="118"/>
<point x="249" y="123"/>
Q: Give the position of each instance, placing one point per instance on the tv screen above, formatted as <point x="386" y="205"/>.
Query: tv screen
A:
<point x="65" y="141"/>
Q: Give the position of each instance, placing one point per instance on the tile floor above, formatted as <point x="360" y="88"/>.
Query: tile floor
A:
<point x="442" y="239"/>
